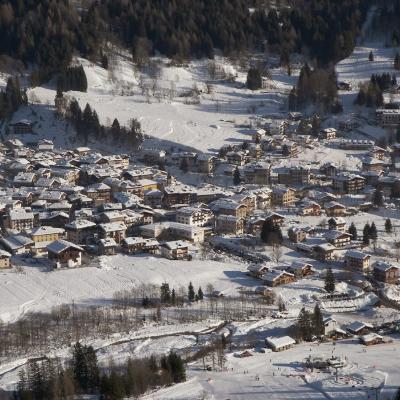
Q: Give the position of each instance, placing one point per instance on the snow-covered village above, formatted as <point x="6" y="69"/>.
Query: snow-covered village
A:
<point x="210" y="227"/>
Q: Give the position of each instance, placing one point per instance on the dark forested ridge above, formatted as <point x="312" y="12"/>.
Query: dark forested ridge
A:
<point x="46" y="33"/>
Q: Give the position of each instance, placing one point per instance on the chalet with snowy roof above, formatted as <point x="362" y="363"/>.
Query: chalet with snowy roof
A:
<point x="197" y="216"/>
<point x="46" y="234"/>
<point x="22" y="127"/>
<point x="338" y="238"/>
<point x="294" y="175"/>
<point x="337" y="224"/>
<point x="297" y="234"/>
<point x="348" y="183"/>
<point x="257" y="270"/>
<point x="309" y="207"/>
<point x="371" y="164"/>
<point x="334" y="209"/>
<point x="324" y="252"/>
<point x="328" y="133"/>
<point x="20" y="220"/>
<point x="359" y="328"/>
<point x="17" y="244"/>
<point x="330" y="325"/>
<point x="176" y="250"/>
<point x="99" y="192"/>
<point x="378" y="153"/>
<point x="229" y="224"/>
<point x="300" y="269"/>
<point x="107" y="246"/>
<point x="57" y="219"/>
<point x="387" y="117"/>
<point x="136" y="245"/>
<point x="357" y="260"/>
<point x="283" y="196"/>
<point x="45" y="145"/>
<point x="229" y="207"/>
<point x="205" y="163"/>
<point x="277" y="277"/>
<point x="371" y="339"/>
<point x="5" y="258"/>
<point x="280" y="343"/>
<point x="386" y="272"/>
<point x="178" y="194"/>
<point x="257" y="173"/>
<point x="80" y="231"/>
<point x="113" y="230"/>
<point x="62" y="253"/>
<point x="237" y="158"/>
<point x="329" y="169"/>
<point x="257" y="135"/>
<point x="173" y="230"/>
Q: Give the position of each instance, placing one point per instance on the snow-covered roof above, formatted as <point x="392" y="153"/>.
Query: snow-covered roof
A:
<point x="46" y="230"/>
<point x="356" y="254"/>
<point x="61" y="245"/>
<point x="177" y="244"/>
<point x="356" y="326"/>
<point x="384" y="266"/>
<point x="278" y="342"/>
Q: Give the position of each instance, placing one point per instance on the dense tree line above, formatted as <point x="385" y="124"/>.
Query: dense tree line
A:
<point x="309" y="324"/>
<point x="11" y="98"/>
<point x="87" y="125"/>
<point x="371" y="94"/>
<point x="48" y="32"/>
<point x="316" y="87"/>
<point x="48" y="379"/>
<point x="72" y="78"/>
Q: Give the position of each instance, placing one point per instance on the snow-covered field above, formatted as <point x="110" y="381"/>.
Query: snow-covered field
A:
<point x="282" y="375"/>
<point x="36" y="289"/>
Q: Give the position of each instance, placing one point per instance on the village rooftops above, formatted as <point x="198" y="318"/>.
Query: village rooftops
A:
<point x="46" y="230"/>
<point x="274" y="274"/>
<point x="14" y="242"/>
<point x="58" y="246"/>
<point x="113" y="226"/>
<point x="175" y="245"/>
<point x="80" y="224"/>
<point x="384" y="266"/>
<point x="138" y="240"/>
<point x="16" y="215"/>
<point x="357" y="326"/>
<point x="356" y="254"/>
<point x="332" y="235"/>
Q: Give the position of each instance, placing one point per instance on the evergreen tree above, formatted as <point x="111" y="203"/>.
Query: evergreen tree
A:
<point x="271" y="233"/>
<point x="318" y="321"/>
<point x="191" y="294"/>
<point x="173" y="297"/>
<point x="373" y="232"/>
<point x="165" y="293"/>
<point x="174" y="365"/>
<point x="353" y="231"/>
<point x="200" y="294"/>
<point x="388" y="226"/>
<point x="377" y="198"/>
<point x="184" y="166"/>
<point x="371" y="56"/>
<point x="304" y="325"/>
<point x="236" y="177"/>
<point x="366" y="234"/>
<point x="329" y="281"/>
<point x="285" y="151"/>
<point x="397" y="62"/>
<point x="254" y="80"/>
